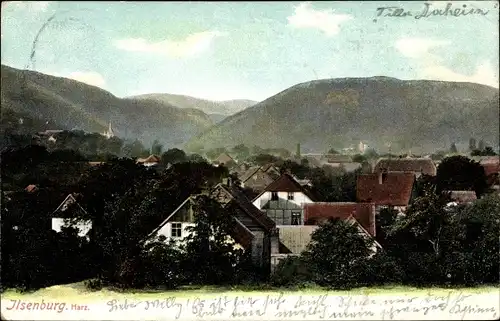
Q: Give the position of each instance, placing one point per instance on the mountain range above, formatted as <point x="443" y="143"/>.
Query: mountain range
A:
<point x="320" y="114"/>
<point x="68" y="104"/>
<point x="383" y="112"/>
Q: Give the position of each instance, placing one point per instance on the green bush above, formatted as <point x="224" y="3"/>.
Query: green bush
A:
<point x="291" y="271"/>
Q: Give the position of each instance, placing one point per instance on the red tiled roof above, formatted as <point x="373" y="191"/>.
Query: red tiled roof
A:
<point x="491" y="168"/>
<point x="364" y="213"/>
<point x="224" y="159"/>
<point x="416" y="165"/>
<point x="392" y="188"/>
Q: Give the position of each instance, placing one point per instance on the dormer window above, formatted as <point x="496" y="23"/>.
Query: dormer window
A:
<point x="274" y="196"/>
<point x="290" y="196"/>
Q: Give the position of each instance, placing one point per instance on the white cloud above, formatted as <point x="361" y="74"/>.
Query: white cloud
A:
<point x="192" y="45"/>
<point x="431" y="66"/>
<point x="31" y="6"/>
<point x="90" y="77"/>
<point x="484" y="74"/>
<point x="417" y="47"/>
<point x="325" y="20"/>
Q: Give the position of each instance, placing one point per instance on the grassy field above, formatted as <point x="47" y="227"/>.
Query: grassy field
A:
<point x="77" y="291"/>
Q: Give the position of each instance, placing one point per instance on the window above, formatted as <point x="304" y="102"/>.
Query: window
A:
<point x="176" y="230"/>
<point x="274" y="196"/>
<point x="296" y="218"/>
<point x="290" y="196"/>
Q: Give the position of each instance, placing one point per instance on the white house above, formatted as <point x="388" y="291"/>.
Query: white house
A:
<point x="284" y="188"/>
<point x="67" y="215"/>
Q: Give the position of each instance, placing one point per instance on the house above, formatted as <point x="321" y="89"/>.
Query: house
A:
<point x="66" y="214"/>
<point x="283" y="200"/>
<point x="50" y="134"/>
<point x="256" y="178"/>
<point x="151" y="160"/>
<point x="271" y="170"/>
<point x="226" y="160"/>
<point x="252" y="229"/>
<point x="360" y="214"/>
<point x="416" y="165"/>
<point x="491" y="165"/>
<point x="461" y="197"/>
<point x="386" y="189"/>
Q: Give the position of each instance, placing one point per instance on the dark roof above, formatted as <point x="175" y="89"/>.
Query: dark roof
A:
<point x="286" y="183"/>
<point x="392" y="188"/>
<point x="69" y="201"/>
<point x="364" y="213"/>
<point x="249" y="173"/>
<point x="416" y="165"/>
<point x="246" y="205"/>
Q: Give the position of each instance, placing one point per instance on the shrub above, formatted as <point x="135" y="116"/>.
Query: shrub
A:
<point x="291" y="271"/>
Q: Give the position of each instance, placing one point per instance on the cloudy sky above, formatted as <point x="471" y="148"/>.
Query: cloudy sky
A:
<point x="227" y="50"/>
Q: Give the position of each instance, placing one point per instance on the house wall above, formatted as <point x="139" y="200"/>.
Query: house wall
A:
<point x="299" y="198"/>
<point x="296" y="238"/>
<point x="83" y="227"/>
<point x="166" y="230"/>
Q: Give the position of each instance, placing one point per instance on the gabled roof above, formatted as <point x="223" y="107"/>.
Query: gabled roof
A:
<point x="68" y="201"/>
<point x="392" y="188"/>
<point x="463" y="196"/>
<point x="364" y="213"/>
<point x="149" y="159"/>
<point x="224" y="158"/>
<point x="416" y="165"/>
<point x="246" y="205"/>
<point x="240" y="232"/>
<point x="249" y="173"/>
<point x="286" y="183"/>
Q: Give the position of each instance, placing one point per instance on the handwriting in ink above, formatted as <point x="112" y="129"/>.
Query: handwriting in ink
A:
<point x="428" y="11"/>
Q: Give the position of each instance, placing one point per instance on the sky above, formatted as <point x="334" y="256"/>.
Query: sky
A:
<point x="246" y="50"/>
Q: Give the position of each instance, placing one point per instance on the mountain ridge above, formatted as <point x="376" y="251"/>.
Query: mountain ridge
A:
<point x="361" y="109"/>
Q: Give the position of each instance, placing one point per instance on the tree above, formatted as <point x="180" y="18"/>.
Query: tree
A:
<point x="479" y="245"/>
<point x="481" y="145"/>
<point x="297" y="153"/>
<point x="358" y="158"/>
<point x="173" y="156"/>
<point x="241" y="151"/>
<point x="461" y="173"/>
<point x="333" y="151"/>
<point x="453" y="148"/>
<point x="214" y="153"/>
<point x="156" y="147"/>
<point x="472" y="144"/>
<point x="211" y="254"/>
<point x="341" y="265"/>
<point x="263" y="159"/>
<point x="371" y="153"/>
<point x="134" y="149"/>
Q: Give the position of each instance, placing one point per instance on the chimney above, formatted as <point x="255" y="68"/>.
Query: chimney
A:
<point x="229" y="181"/>
<point x="380" y="178"/>
<point x="225" y="181"/>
